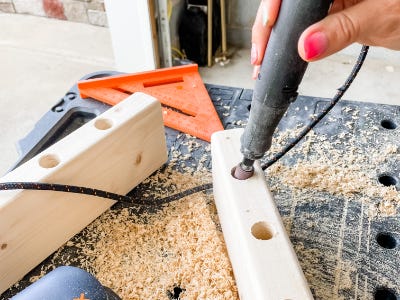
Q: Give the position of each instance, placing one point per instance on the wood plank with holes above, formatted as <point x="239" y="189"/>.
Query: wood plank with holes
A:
<point x="263" y="260"/>
<point x="114" y="152"/>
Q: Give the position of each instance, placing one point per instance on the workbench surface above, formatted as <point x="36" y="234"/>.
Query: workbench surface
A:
<point x="337" y="191"/>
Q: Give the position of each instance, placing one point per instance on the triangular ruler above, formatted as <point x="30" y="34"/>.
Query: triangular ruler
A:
<point x="187" y="107"/>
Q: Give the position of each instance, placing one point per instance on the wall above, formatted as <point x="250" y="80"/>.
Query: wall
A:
<point x="239" y="14"/>
<point x="84" y="11"/>
<point x="240" y="18"/>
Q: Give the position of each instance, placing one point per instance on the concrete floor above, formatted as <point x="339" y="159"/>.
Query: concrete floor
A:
<point x="42" y="58"/>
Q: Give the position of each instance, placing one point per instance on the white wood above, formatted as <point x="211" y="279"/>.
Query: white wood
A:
<point x="33" y="224"/>
<point x="263" y="268"/>
<point x="131" y="35"/>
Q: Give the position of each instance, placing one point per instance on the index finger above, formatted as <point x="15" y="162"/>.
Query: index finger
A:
<point x="265" y="19"/>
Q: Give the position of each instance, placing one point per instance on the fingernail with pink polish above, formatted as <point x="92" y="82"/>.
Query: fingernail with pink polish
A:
<point x="253" y="54"/>
<point x="315" y="44"/>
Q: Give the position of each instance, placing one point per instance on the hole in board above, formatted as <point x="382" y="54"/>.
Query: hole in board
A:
<point x="249" y="107"/>
<point x="388" y="124"/>
<point x="387" y="180"/>
<point x="3" y="246"/>
<point x="103" y="124"/>
<point x="262" y="231"/>
<point x="384" y="293"/>
<point x="49" y="161"/>
<point x="386" y="240"/>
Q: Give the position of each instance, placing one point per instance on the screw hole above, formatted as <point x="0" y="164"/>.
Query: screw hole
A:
<point x="384" y="293"/>
<point x="103" y="124"/>
<point x="262" y="231"/>
<point x="249" y="107"/>
<point x="386" y="240"/>
<point x="388" y="124"/>
<point x="387" y="180"/>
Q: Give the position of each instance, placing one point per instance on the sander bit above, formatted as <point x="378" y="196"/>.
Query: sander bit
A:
<point x="276" y="86"/>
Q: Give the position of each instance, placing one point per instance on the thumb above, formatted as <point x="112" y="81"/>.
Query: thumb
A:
<point x="334" y="32"/>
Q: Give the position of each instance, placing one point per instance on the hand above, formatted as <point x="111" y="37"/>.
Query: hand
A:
<point x="370" y="22"/>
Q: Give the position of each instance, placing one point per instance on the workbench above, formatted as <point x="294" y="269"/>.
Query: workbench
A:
<point x="337" y="191"/>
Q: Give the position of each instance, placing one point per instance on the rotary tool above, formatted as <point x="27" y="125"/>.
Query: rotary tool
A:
<point x="276" y="86"/>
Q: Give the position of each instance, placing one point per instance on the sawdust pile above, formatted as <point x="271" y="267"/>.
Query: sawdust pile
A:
<point x="146" y="256"/>
<point x="178" y="247"/>
<point x="350" y="170"/>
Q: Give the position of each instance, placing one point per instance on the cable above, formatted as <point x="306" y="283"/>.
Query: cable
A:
<point x="40" y="186"/>
<point x="334" y="100"/>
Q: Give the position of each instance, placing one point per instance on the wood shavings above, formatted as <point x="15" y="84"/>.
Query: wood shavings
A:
<point x="343" y="272"/>
<point x="390" y="149"/>
<point x="179" y="246"/>
<point x="322" y="177"/>
<point x="349" y="171"/>
<point x="147" y="255"/>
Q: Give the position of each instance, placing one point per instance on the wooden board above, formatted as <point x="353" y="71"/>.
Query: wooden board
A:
<point x="113" y="152"/>
<point x="264" y="262"/>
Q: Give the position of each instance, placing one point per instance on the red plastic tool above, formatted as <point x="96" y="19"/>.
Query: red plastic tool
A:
<point x="187" y="107"/>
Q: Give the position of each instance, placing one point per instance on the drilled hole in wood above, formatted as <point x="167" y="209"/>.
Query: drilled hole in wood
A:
<point x="386" y="240"/>
<point x="384" y="293"/>
<point x="262" y="231"/>
<point x="49" y="161"/>
<point x="103" y="124"/>
<point x="388" y="124"/>
<point x="387" y="180"/>
<point x="3" y="246"/>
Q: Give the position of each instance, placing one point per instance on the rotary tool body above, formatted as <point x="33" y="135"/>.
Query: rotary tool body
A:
<point x="281" y="72"/>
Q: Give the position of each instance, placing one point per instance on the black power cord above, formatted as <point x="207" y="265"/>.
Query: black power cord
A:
<point x="334" y="100"/>
<point x="148" y="202"/>
<point x="154" y="202"/>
